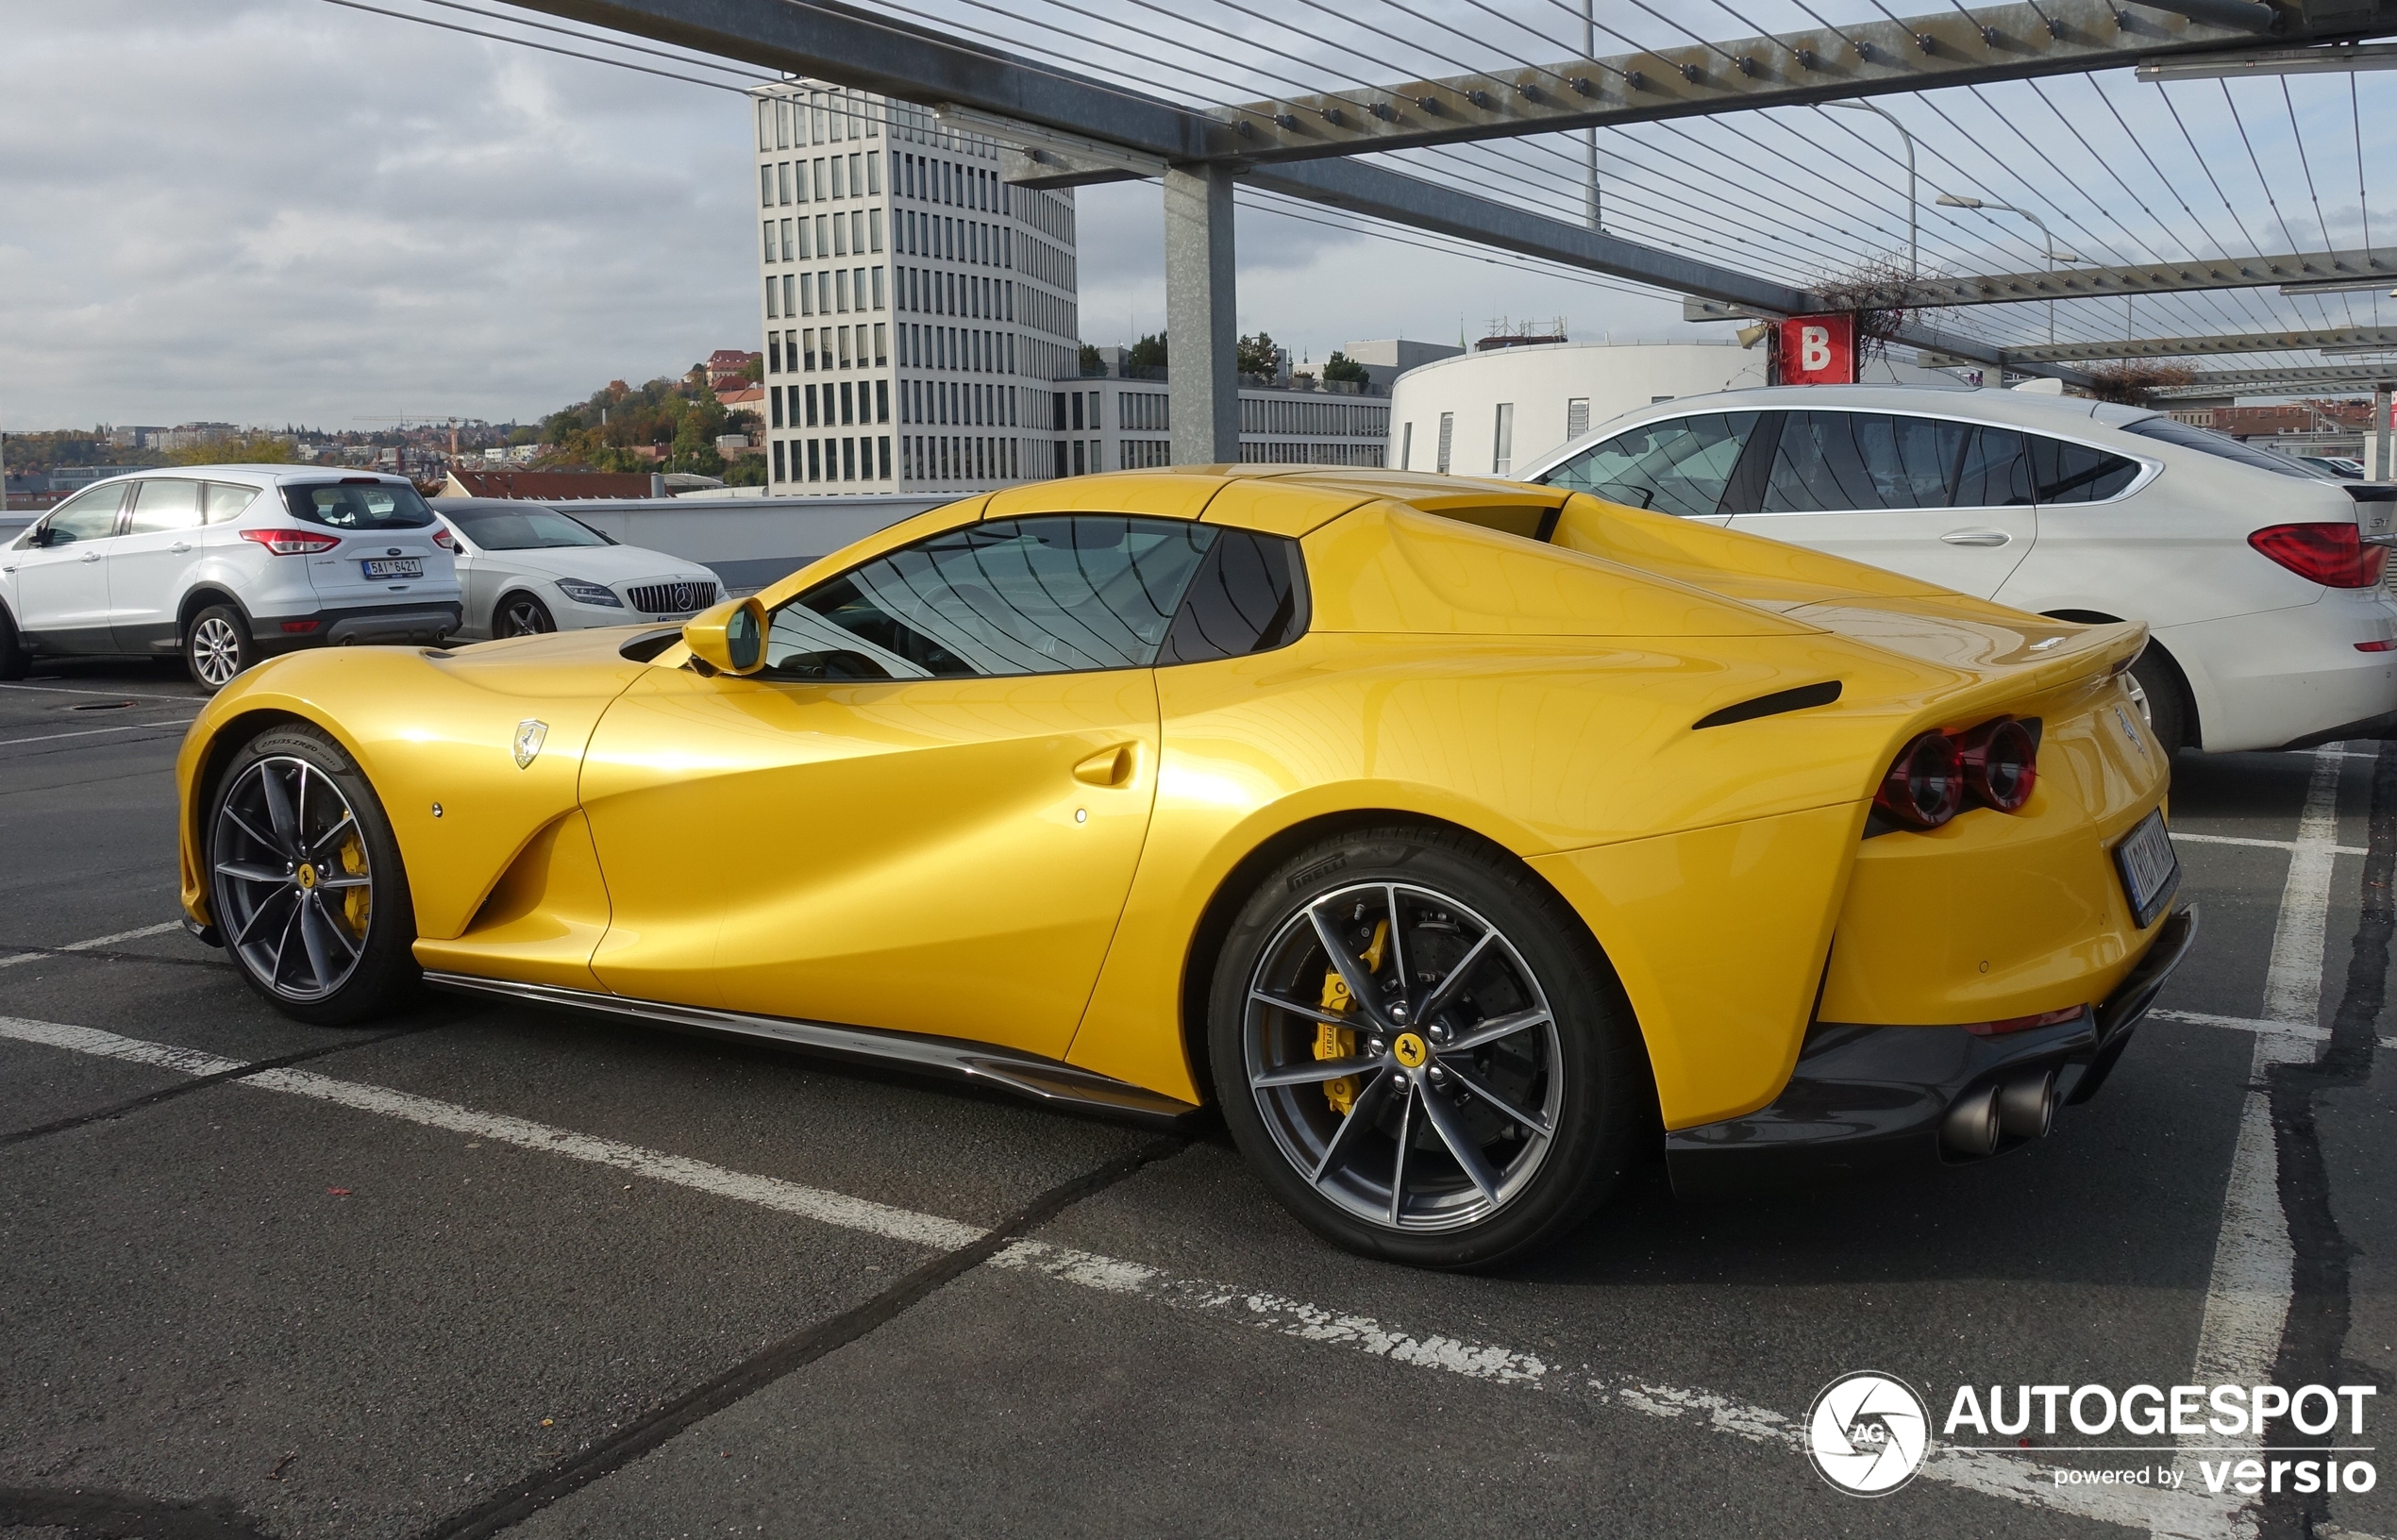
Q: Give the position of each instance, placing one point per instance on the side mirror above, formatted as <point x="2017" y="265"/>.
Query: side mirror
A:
<point x="728" y="639"/>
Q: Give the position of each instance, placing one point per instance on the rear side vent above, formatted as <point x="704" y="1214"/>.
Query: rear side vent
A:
<point x="1772" y="705"/>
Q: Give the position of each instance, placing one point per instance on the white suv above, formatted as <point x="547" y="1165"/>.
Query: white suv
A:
<point x="2261" y="582"/>
<point x="227" y="565"/>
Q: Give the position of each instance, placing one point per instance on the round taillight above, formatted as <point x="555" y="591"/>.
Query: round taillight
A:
<point x="2001" y="764"/>
<point x="1924" y="787"/>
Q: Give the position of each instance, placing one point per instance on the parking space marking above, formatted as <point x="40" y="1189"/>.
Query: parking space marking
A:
<point x="113" y="695"/>
<point x="88" y="946"/>
<point x="94" y="732"/>
<point x="2179" y="838"/>
<point x="1991" y="1473"/>
<point x="2247" y="1294"/>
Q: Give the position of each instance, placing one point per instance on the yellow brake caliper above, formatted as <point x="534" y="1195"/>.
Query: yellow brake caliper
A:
<point x="354" y="901"/>
<point x="1341" y="1042"/>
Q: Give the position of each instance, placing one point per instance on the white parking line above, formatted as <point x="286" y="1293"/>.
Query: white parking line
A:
<point x="2247" y="1295"/>
<point x="2013" y="1477"/>
<point x="113" y="695"/>
<point x="94" y="732"/>
<point x="94" y="942"/>
<point x="2179" y="838"/>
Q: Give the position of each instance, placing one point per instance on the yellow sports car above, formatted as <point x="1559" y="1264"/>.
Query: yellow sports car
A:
<point x="1453" y="838"/>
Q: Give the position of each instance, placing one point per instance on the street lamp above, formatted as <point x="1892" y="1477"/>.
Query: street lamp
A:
<point x="1913" y="234"/>
<point x="2047" y="237"/>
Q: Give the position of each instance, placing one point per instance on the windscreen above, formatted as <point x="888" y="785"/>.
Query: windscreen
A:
<point x="527" y="528"/>
<point x="359" y="504"/>
<point x="2188" y="436"/>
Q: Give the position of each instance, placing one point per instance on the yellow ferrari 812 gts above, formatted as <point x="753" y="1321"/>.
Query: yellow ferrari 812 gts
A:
<point x="1460" y="841"/>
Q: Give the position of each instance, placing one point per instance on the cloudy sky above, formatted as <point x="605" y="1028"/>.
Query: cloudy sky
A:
<point x="293" y="211"/>
<point x="283" y="211"/>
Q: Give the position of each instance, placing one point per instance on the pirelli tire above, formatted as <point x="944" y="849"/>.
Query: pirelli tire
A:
<point x="1421" y="1051"/>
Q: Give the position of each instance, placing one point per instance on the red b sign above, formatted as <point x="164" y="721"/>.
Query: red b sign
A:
<point x="1819" y="350"/>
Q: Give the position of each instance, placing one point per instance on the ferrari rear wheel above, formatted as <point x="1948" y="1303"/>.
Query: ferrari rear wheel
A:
<point x="305" y="883"/>
<point x="1419" y="1048"/>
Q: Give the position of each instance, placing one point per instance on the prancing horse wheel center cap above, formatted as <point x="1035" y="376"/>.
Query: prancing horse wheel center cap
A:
<point x="305" y="876"/>
<point x="1409" y="1050"/>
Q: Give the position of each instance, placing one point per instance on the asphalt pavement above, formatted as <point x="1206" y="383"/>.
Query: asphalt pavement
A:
<point x="478" y="1270"/>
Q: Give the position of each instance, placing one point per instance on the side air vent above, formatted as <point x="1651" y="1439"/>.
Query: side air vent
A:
<point x="649" y="643"/>
<point x="1772" y="705"/>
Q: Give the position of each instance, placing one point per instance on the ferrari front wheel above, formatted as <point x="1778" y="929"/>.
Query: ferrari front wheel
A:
<point x="1419" y="1048"/>
<point x="305" y="880"/>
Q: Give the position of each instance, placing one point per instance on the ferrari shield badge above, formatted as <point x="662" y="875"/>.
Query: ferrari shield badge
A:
<point x="529" y="733"/>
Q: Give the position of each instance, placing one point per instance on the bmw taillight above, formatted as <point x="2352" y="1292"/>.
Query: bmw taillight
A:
<point x="292" y="542"/>
<point x="2332" y="555"/>
<point x="1939" y="775"/>
<point x="1924" y="787"/>
<point x="2000" y="763"/>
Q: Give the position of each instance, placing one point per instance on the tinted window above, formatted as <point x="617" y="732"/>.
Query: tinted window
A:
<point x="359" y="504"/>
<point x="1249" y="595"/>
<point x="87" y="515"/>
<point x="225" y="502"/>
<point x="530" y="528"/>
<point x="1996" y="472"/>
<point x="166" y="504"/>
<point x="2074" y="473"/>
<point x="1831" y="461"/>
<point x="1679" y="467"/>
<point x="1040" y="595"/>
<point x="2166" y="430"/>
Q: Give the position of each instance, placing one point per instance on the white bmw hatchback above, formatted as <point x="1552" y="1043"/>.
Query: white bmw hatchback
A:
<point x="2271" y="625"/>
<point x="528" y="568"/>
<point x="225" y="564"/>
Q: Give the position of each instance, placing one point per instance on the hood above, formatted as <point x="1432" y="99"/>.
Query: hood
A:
<point x="601" y="563"/>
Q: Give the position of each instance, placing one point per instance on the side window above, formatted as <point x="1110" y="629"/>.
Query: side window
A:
<point x="166" y="503"/>
<point x="225" y="503"/>
<point x="2074" y="473"/>
<point x="1679" y="467"/>
<point x="1840" y="462"/>
<point x="1050" y="595"/>
<point x="1996" y="472"/>
<point x="87" y="515"/>
<point x="1249" y="595"/>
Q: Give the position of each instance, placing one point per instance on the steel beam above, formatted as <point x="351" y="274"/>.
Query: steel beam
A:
<point x="1956" y="47"/>
<point x="2376" y="264"/>
<point x="2328" y="378"/>
<point x="2182" y="347"/>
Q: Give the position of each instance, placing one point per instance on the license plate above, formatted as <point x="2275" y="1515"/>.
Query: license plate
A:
<point x="2149" y="868"/>
<point x="387" y="567"/>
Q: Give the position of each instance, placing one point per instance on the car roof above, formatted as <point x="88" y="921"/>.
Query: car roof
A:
<point x="2016" y="408"/>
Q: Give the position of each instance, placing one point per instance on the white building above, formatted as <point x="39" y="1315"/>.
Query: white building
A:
<point x="917" y="308"/>
<point x="1116" y="422"/>
<point x="1485" y="412"/>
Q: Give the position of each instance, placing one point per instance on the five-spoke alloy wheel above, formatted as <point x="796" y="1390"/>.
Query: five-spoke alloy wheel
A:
<point x="1423" y="1050"/>
<point x="305" y="880"/>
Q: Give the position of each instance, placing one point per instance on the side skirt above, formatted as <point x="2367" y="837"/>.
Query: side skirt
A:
<point x="1025" y="1075"/>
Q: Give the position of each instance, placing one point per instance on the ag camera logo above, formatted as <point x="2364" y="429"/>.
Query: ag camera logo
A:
<point x="1867" y="1433"/>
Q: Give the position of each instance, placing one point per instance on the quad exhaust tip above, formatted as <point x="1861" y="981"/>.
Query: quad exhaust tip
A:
<point x="2011" y="1111"/>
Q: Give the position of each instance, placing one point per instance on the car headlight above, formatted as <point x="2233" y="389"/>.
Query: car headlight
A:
<point x="582" y="593"/>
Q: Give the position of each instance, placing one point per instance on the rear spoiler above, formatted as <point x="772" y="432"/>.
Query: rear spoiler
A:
<point x="2376" y="510"/>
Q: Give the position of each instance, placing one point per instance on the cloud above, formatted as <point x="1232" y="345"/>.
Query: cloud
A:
<point x="283" y="211"/>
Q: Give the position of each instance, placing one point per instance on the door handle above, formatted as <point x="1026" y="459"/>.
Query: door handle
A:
<point x="1109" y="766"/>
<point x="1977" y="537"/>
<point x="91" y="556"/>
<point x="181" y="547"/>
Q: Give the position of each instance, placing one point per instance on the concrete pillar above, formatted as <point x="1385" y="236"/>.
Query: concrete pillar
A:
<point x="1201" y="326"/>
<point x="2379" y="438"/>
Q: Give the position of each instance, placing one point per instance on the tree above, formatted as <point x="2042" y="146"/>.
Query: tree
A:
<point x="1089" y="359"/>
<point x="1150" y="352"/>
<point x="246" y="449"/>
<point x="1342" y="367"/>
<point x="1257" y="356"/>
